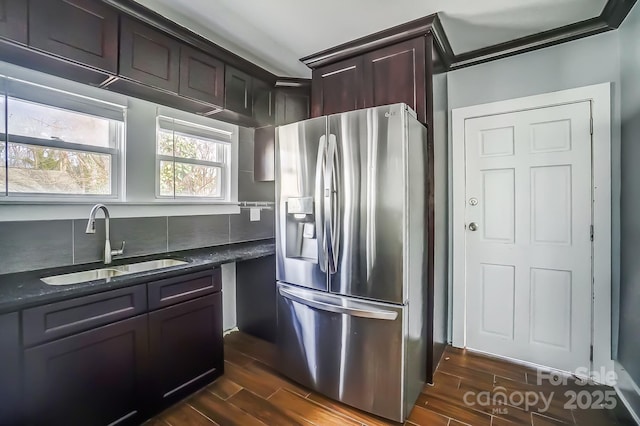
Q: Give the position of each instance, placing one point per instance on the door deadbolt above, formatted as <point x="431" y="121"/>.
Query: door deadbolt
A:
<point x="473" y="226"/>
<point x="473" y="201"/>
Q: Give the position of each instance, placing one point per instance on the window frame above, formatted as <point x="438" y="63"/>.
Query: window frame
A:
<point x="202" y="133"/>
<point x="49" y="97"/>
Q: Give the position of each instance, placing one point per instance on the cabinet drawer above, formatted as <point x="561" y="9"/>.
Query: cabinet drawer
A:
<point x="60" y="319"/>
<point x="175" y="290"/>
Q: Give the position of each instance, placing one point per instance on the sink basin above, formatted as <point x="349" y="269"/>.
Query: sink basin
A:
<point x="115" y="271"/>
<point x="80" y="277"/>
<point x="149" y="266"/>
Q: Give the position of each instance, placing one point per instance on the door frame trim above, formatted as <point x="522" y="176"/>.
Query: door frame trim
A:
<point x="600" y="97"/>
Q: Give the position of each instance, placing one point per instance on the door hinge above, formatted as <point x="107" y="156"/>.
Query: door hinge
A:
<point x="591" y="353"/>
<point x="591" y="125"/>
<point x="591" y="232"/>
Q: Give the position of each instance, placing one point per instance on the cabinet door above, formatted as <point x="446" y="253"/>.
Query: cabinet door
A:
<point x="148" y="56"/>
<point x="397" y="74"/>
<point x="185" y="347"/>
<point x="292" y="105"/>
<point x="201" y="76"/>
<point x="238" y="88"/>
<point x="264" y="105"/>
<point x="10" y="386"/>
<point x="92" y="378"/>
<point x="85" y="31"/>
<point x="337" y="88"/>
<point x="13" y="20"/>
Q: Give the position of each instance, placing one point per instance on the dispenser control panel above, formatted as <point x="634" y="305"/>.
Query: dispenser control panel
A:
<point x="302" y="205"/>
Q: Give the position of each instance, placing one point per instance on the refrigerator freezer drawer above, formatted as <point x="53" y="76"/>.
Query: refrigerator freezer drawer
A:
<point x="346" y="349"/>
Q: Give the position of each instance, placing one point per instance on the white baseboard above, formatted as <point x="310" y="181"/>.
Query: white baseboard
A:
<point x="628" y="391"/>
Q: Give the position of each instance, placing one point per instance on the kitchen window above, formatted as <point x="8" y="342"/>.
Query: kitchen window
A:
<point x="56" y="145"/>
<point x="193" y="161"/>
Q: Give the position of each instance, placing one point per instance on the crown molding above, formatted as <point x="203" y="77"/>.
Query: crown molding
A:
<point x="613" y="14"/>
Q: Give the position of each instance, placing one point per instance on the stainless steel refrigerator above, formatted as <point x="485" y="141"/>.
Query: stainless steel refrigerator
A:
<point x="351" y="194"/>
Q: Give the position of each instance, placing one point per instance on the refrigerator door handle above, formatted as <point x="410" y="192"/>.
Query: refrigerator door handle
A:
<point x="331" y="209"/>
<point x="319" y="205"/>
<point x="299" y="296"/>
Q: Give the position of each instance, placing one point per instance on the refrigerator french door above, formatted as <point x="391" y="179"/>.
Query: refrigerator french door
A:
<point x="351" y="242"/>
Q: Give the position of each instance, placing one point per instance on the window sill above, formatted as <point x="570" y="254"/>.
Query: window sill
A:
<point x="54" y="210"/>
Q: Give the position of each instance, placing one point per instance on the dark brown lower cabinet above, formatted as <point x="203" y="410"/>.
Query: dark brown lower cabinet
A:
<point x="92" y="378"/>
<point x="186" y="347"/>
<point x="10" y="380"/>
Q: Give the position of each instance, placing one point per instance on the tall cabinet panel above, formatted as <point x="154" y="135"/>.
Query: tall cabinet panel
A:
<point x="337" y="88"/>
<point x="256" y="297"/>
<point x="13" y="20"/>
<point x="85" y="31"/>
<point x="397" y="74"/>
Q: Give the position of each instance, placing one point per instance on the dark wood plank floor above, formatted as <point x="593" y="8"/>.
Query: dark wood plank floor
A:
<point x="251" y="392"/>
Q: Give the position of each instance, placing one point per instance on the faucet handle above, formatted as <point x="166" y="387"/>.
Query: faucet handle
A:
<point x="118" y="252"/>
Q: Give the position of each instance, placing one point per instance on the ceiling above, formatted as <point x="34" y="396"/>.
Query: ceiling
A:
<point x="275" y="34"/>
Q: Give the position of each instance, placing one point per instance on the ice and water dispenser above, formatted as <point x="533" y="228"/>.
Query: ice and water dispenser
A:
<point x="301" y="233"/>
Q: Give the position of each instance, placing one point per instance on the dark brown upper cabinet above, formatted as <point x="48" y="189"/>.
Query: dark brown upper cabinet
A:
<point x="264" y="103"/>
<point x="337" y="87"/>
<point x="84" y="31"/>
<point x="201" y="76"/>
<point x="238" y="95"/>
<point x="148" y="56"/>
<point x="13" y="20"/>
<point x="397" y="74"/>
<point x="292" y="105"/>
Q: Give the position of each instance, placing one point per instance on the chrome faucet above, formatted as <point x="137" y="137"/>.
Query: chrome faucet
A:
<point x="91" y="229"/>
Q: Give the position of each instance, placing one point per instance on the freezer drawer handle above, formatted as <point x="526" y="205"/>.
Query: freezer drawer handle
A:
<point x="330" y="307"/>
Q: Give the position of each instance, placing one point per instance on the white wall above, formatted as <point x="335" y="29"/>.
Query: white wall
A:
<point x="229" y="296"/>
<point x="630" y="266"/>
<point x="579" y="63"/>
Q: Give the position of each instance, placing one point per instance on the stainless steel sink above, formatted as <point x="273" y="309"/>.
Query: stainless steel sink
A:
<point x="132" y="268"/>
<point x="107" y="273"/>
<point x="80" y="277"/>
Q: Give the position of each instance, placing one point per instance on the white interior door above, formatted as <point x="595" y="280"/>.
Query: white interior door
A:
<point x="528" y="261"/>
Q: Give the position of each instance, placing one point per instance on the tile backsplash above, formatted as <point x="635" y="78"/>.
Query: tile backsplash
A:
<point x="31" y="245"/>
<point x="35" y="245"/>
<point x="43" y="244"/>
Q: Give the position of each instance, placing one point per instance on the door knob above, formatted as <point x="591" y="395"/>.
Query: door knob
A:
<point x="473" y="226"/>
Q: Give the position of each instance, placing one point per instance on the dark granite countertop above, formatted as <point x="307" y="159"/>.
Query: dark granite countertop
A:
<point x="24" y="289"/>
